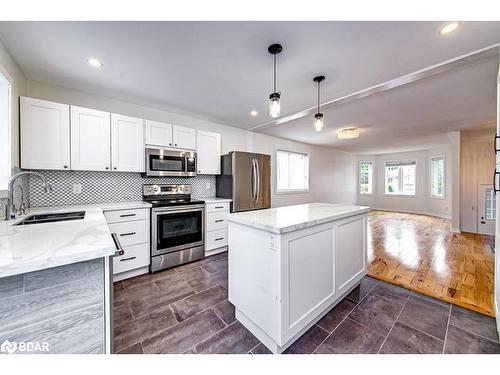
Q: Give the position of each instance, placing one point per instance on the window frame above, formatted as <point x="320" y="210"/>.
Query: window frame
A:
<point x="359" y="176"/>
<point x="385" y="179"/>
<point x="4" y="191"/>
<point x="293" y="191"/>
<point x="431" y="174"/>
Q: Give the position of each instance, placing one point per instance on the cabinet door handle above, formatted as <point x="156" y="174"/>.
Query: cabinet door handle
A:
<point x="125" y="259"/>
<point x="106" y="168"/>
<point x="127" y="215"/>
<point x="115" y="168"/>
<point x="495" y="144"/>
<point x="219" y="221"/>
<point x="65" y="167"/>
<point x="220" y="238"/>
<point x="127" y="234"/>
<point x="219" y="207"/>
<point x="176" y="144"/>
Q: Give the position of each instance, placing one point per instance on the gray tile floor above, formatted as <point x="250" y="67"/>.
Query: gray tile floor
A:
<point x="185" y="310"/>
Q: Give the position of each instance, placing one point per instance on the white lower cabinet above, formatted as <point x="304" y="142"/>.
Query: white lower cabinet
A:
<point x="132" y="229"/>
<point x="216" y="227"/>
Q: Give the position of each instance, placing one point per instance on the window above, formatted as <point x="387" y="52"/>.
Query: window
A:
<point x="400" y="177"/>
<point x="293" y="171"/>
<point x="437" y="177"/>
<point x="5" y="125"/>
<point x="490" y="205"/>
<point x="365" y="177"/>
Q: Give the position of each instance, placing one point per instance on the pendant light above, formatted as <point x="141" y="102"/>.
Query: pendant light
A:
<point x="274" y="98"/>
<point x="318" y="117"/>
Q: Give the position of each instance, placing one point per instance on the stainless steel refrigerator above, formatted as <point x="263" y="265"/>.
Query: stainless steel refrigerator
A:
<point x="246" y="179"/>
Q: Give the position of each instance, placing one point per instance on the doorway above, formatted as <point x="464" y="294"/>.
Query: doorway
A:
<point x="486" y="210"/>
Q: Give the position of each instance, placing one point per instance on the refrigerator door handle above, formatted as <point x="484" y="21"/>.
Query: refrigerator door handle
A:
<point x="257" y="174"/>
<point x="253" y="181"/>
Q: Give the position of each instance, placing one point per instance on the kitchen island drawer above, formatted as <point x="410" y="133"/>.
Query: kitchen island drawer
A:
<point x="135" y="256"/>
<point x="217" y="207"/>
<point x="120" y="216"/>
<point x="215" y="239"/>
<point x="217" y="220"/>
<point x="131" y="232"/>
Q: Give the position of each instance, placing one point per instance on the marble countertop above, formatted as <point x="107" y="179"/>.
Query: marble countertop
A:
<point x="38" y="246"/>
<point x="291" y="218"/>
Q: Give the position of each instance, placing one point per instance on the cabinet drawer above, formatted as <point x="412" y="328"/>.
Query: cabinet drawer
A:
<point x="126" y="215"/>
<point x="131" y="232"/>
<point x="217" y="220"/>
<point x="215" y="239"/>
<point x="216" y="207"/>
<point x="135" y="256"/>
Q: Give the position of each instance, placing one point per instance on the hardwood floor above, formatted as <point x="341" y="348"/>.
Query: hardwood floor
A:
<point x="419" y="253"/>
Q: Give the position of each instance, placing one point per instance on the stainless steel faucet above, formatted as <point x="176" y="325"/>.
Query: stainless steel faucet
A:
<point x="10" y="209"/>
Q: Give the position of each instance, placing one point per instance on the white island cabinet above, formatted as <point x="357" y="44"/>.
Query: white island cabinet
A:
<point x="289" y="266"/>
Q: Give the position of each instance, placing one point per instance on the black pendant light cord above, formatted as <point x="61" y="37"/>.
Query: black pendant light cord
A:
<point x="274" y="56"/>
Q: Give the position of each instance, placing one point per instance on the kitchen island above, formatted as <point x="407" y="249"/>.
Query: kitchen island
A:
<point x="289" y="266"/>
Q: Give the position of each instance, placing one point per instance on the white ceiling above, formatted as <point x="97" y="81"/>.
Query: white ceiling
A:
<point x="222" y="70"/>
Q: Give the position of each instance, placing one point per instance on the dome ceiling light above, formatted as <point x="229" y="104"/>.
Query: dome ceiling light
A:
<point x="348" y="133"/>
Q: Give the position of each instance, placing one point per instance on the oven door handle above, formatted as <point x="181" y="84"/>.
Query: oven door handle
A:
<point x="173" y="210"/>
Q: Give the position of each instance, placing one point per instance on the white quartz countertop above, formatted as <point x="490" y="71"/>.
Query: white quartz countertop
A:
<point x="291" y="218"/>
<point x="27" y="248"/>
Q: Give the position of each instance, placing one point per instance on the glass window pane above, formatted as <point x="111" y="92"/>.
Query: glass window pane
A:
<point x="365" y="177"/>
<point x="292" y="171"/>
<point x="437" y="176"/>
<point x="400" y="178"/>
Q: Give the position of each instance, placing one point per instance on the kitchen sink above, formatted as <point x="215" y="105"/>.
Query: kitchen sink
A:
<point x="51" y="217"/>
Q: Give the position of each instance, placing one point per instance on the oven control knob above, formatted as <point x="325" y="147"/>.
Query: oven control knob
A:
<point x="156" y="189"/>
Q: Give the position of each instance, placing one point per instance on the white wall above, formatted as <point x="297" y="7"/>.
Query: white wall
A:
<point x="422" y="201"/>
<point x="10" y="70"/>
<point x="332" y="173"/>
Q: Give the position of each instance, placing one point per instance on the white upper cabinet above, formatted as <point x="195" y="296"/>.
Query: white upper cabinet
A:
<point x="158" y="134"/>
<point x="183" y="137"/>
<point x="127" y="144"/>
<point x="90" y="140"/>
<point x="208" y="152"/>
<point x="45" y="142"/>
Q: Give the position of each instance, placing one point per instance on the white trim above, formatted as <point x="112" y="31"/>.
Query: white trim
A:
<point x="455" y="230"/>
<point x="444" y="176"/>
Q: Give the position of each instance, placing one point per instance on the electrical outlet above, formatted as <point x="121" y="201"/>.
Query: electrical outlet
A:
<point x="77" y="188"/>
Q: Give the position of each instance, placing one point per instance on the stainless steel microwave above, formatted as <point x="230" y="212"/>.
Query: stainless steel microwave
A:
<point x="161" y="162"/>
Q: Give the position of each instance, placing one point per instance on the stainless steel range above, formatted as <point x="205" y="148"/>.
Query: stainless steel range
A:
<point x="177" y="225"/>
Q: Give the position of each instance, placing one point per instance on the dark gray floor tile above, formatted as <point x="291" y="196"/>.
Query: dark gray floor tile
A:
<point x="219" y="266"/>
<point x="459" y="341"/>
<point x="148" y="278"/>
<point x="426" y="316"/>
<point x="351" y="338"/>
<point x="195" y="303"/>
<point x="333" y="318"/>
<point x="261" y="349"/>
<point x="169" y="290"/>
<point x="391" y="291"/>
<point x="474" y="322"/>
<point x="364" y="287"/>
<point x="122" y="314"/>
<point x="208" y="281"/>
<point x="139" y="329"/>
<point x="429" y="299"/>
<point x="134" y="349"/>
<point x="234" y="339"/>
<point x="378" y="312"/>
<point x="225" y="310"/>
<point x="11" y="285"/>
<point x="185" y="335"/>
<point x="308" y="342"/>
<point x="406" y="340"/>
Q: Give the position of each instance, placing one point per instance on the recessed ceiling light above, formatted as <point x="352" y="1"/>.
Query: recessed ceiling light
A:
<point x="254" y="113"/>
<point x="348" y="133"/>
<point x="449" y="28"/>
<point x="93" y="62"/>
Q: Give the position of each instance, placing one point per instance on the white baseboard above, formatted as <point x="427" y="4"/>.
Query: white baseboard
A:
<point x="455" y="230"/>
<point x="447" y="217"/>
